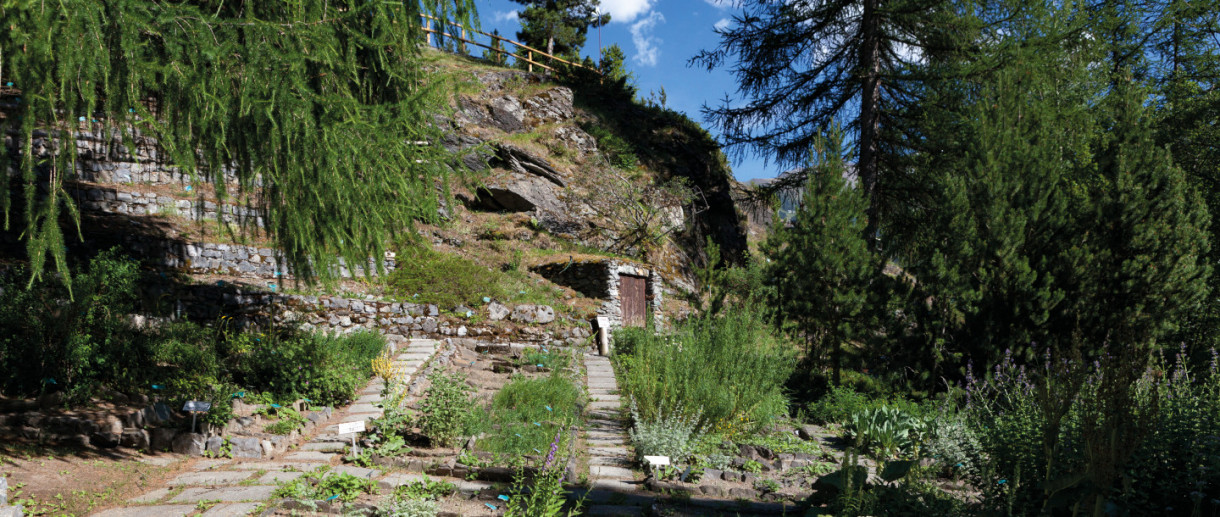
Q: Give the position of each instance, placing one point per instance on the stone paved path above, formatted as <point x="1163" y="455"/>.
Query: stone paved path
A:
<point x="614" y="489"/>
<point x="238" y="487"/>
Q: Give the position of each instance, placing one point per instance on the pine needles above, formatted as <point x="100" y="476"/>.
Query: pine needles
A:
<point x="318" y="103"/>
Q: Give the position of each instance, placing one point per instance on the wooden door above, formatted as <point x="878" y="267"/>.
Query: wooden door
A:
<point x="632" y="297"/>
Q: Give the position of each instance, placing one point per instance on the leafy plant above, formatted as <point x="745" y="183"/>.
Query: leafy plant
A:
<point x="671" y="435"/>
<point x="888" y="432"/>
<point x="545" y="497"/>
<point x="425" y="488"/>
<point x="398" y="507"/>
<point x="288" y="420"/>
<point x="766" y="486"/>
<point x="447" y="408"/>
<point x="321" y="484"/>
<point x="752" y="467"/>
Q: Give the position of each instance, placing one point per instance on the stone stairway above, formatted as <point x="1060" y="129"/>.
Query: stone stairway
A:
<point x="240" y="488"/>
<point x="614" y="489"/>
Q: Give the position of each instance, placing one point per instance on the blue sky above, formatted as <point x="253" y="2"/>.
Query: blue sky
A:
<point x="659" y="37"/>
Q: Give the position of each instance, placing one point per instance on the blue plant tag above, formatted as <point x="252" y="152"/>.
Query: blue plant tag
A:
<point x="537" y="424"/>
<point x="276" y="406"/>
<point x="518" y="435"/>
<point x="240" y="394"/>
<point x="502" y="497"/>
<point x="548" y="408"/>
<point x="188" y="188"/>
<point x="487" y="300"/>
<point x="492" y="506"/>
<point x="307" y="400"/>
<point x="158" y="387"/>
<point x="333" y="497"/>
<point x="540" y="365"/>
<point x="537" y="451"/>
<point x="82" y="119"/>
<point x="49" y="379"/>
<point x="10" y="84"/>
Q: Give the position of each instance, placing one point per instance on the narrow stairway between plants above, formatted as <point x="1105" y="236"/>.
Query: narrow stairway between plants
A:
<point x="232" y="488"/>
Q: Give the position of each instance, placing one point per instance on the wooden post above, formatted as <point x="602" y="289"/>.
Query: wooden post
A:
<point x="463" y="42"/>
<point x="428" y="25"/>
<point x="531" y="61"/>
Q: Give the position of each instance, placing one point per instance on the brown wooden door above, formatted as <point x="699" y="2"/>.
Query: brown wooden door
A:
<point x="632" y="297"/>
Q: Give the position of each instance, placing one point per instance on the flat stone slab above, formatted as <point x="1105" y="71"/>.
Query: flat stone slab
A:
<point x="605" y="472"/>
<point x="363" y="408"/>
<point x="604" y="383"/>
<point x="226" y="494"/>
<point x="310" y="456"/>
<point x="604" y="414"/>
<point x="394" y="480"/>
<point x="605" y="443"/>
<point x="608" y="451"/>
<point x="414" y="357"/>
<point x="155" y="495"/>
<point x="216" y="477"/>
<point x="614" y="485"/>
<point x="276" y="466"/>
<point x="369" y="399"/>
<point x="472" y="486"/>
<point x="608" y="398"/>
<point x="159" y="461"/>
<point x="610" y="461"/>
<point x="324" y="446"/>
<point x="273" y="478"/>
<point x="605" y="404"/>
<point x="208" y="464"/>
<point x="164" y="510"/>
<point x="605" y="435"/>
<point x="231" y="510"/>
<point x="359" y="472"/>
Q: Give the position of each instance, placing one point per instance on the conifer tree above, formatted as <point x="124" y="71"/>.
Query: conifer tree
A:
<point x="319" y="104"/>
<point x="820" y="265"/>
<point x="802" y="66"/>
<point x="558" y="26"/>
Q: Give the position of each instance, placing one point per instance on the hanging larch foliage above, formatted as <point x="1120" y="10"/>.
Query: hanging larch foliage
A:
<point x="320" y="109"/>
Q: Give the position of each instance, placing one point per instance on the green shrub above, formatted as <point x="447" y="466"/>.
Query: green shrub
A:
<point x="730" y="368"/>
<point x="523" y="402"/>
<point x="327" y="369"/>
<point x="672" y="434"/>
<point x="447" y="409"/>
<point x="617" y="151"/>
<point x="71" y="340"/>
<point x="288" y="420"/>
<point x="1171" y="466"/>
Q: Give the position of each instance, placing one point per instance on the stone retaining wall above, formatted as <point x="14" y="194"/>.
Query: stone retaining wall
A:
<point x="130" y="203"/>
<point x="600" y="279"/>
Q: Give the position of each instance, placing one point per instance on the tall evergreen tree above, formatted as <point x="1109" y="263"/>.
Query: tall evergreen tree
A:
<point x="802" y="66"/>
<point x="558" y="26"/>
<point x="820" y="265"/>
<point x="317" y="103"/>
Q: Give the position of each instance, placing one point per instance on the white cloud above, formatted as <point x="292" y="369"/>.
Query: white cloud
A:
<point x="720" y="4"/>
<point x="624" y="11"/>
<point x="501" y="16"/>
<point x="722" y="24"/>
<point x="647" y="52"/>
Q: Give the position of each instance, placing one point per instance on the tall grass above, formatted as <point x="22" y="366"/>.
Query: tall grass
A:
<point x="529" y="413"/>
<point x="728" y="369"/>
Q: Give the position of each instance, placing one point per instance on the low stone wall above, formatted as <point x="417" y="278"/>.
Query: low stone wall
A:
<point x="103" y="158"/>
<point x="130" y="203"/>
<point x="395" y="320"/>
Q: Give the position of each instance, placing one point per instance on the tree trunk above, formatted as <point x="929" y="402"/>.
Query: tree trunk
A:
<point x="870" y="113"/>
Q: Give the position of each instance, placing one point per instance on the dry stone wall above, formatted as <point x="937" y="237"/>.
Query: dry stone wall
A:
<point x="600" y="279"/>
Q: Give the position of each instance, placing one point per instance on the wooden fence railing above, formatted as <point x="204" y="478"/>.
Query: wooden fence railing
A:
<point x="464" y="35"/>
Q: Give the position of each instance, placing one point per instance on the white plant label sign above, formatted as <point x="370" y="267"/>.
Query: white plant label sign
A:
<point x="351" y="427"/>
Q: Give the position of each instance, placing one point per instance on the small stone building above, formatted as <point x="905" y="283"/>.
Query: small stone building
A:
<point x="630" y="292"/>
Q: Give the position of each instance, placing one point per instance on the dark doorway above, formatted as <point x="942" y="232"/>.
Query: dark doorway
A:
<point x="632" y="297"/>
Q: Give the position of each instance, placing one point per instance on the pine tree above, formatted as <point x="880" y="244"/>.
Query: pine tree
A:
<point x="558" y="26"/>
<point x="820" y="265"/>
<point x="803" y="66"/>
<point x="318" y="105"/>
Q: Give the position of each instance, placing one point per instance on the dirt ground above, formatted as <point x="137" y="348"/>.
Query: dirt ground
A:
<point x="64" y="481"/>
